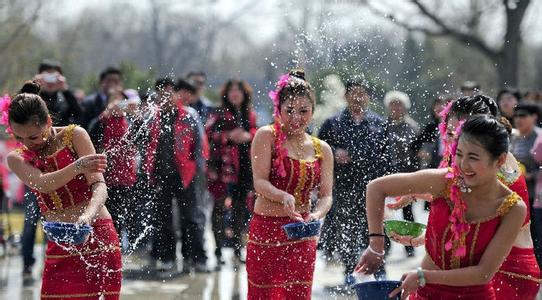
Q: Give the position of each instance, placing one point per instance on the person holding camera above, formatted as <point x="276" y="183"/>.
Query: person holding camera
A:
<point x="61" y="102"/>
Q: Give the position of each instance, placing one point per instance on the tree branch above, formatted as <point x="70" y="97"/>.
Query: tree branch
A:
<point x="403" y="24"/>
<point x="468" y="39"/>
<point x="25" y="26"/>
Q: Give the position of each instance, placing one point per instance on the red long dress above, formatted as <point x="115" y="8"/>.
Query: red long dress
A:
<point x="85" y="271"/>
<point x="480" y="234"/>
<point x="279" y="268"/>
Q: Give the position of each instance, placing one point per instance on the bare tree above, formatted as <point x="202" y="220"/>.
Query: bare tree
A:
<point x="13" y="12"/>
<point x="504" y="56"/>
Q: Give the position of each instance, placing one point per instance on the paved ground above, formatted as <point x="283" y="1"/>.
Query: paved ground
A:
<point x="229" y="283"/>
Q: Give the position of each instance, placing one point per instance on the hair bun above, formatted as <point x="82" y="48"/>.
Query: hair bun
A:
<point x="30" y="87"/>
<point x="299" y="73"/>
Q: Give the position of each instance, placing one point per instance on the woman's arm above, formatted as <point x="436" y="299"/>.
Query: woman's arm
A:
<point x="421" y="182"/>
<point x="48" y="182"/>
<point x="83" y="146"/>
<point x="261" y="158"/>
<point x="403" y="201"/>
<point x="326" y="184"/>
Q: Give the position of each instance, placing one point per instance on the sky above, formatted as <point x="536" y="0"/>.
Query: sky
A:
<point x="265" y="14"/>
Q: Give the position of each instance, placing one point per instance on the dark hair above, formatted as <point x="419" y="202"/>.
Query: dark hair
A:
<point x="529" y="108"/>
<point x="512" y="92"/>
<point x="297" y="86"/>
<point x="487" y="131"/>
<point x="473" y="105"/>
<point x="352" y="84"/>
<point x="196" y="73"/>
<point x="161" y="83"/>
<point x="247" y="98"/>
<point x="183" y="84"/>
<point x="49" y="64"/>
<point x="108" y="71"/>
<point x="28" y="107"/>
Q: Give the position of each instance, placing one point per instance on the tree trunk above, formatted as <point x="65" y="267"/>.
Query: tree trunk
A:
<point x="508" y="61"/>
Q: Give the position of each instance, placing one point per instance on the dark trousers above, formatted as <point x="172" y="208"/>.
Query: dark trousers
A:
<point x="536" y="232"/>
<point x="122" y="206"/>
<point x="346" y="229"/>
<point x="31" y="217"/>
<point x="409" y="216"/>
<point x="217" y="221"/>
<point x="240" y="218"/>
<point x="191" y="222"/>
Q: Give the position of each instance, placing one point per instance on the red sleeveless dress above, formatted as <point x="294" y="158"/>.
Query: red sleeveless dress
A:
<point x="480" y="234"/>
<point x="279" y="268"/>
<point x="85" y="271"/>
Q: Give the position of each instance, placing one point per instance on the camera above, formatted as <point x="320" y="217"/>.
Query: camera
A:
<point x="50" y="78"/>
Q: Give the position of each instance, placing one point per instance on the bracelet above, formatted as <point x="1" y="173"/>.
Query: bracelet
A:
<point x="374" y="252"/>
<point x="421" y="276"/>
<point x="95" y="183"/>
<point x="376" y="235"/>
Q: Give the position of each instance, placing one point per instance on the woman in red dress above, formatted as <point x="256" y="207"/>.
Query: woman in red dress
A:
<point x="465" y="247"/>
<point x="513" y="281"/>
<point x="63" y="169"/>
<point x="288" y="166"/>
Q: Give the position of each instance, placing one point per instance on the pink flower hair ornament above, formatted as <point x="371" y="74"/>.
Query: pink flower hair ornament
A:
<point x="280" y="136"/>
<point x="459" y="226"/>
<point x="442" y="128"/>
<point x="5" y="102"/>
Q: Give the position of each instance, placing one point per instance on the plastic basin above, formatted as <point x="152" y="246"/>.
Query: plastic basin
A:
<point x="376" y="290"/>
<point x="300" y="230"/>
<point x="404" y="227"/>
<point x="67" y="233"/>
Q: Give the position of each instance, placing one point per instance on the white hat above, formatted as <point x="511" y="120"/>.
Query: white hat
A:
<point x="397" y="96"/>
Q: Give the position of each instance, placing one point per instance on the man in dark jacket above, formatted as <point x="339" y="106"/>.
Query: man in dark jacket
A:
<point x="358" y="138"/>
<point x="111" y="82"/>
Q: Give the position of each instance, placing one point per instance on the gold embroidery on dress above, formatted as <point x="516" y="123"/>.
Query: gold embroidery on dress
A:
<point x="97" y="294"/>
<point x="301" y="183"/>
<point x="522" y="276"/>
<point x="443" y="258"/>
<point x="280" y="244"/>
<point x="291" y="175"/>
<point x="288" y="283"/>
<point x="56" y="200"/>
<point x="455" y="261"/>
<point x="110" y="248"/>
<point x="317" y="147"/>
<point x="67" y="139"/>
<point x="474" y="240"/>
<point x="508" y="203"/>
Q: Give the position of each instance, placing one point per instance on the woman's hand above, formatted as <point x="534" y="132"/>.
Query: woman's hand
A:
<point x="401" y="201"/>
<point x="288" y="203"/>
<point x="407" y="240"/>
<point x="369" y="261"/>
<point x="314" y="216"/>
<point x="84" y="219"/>
<point x="92" y="163"/>
<point x="409" y="285"/>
